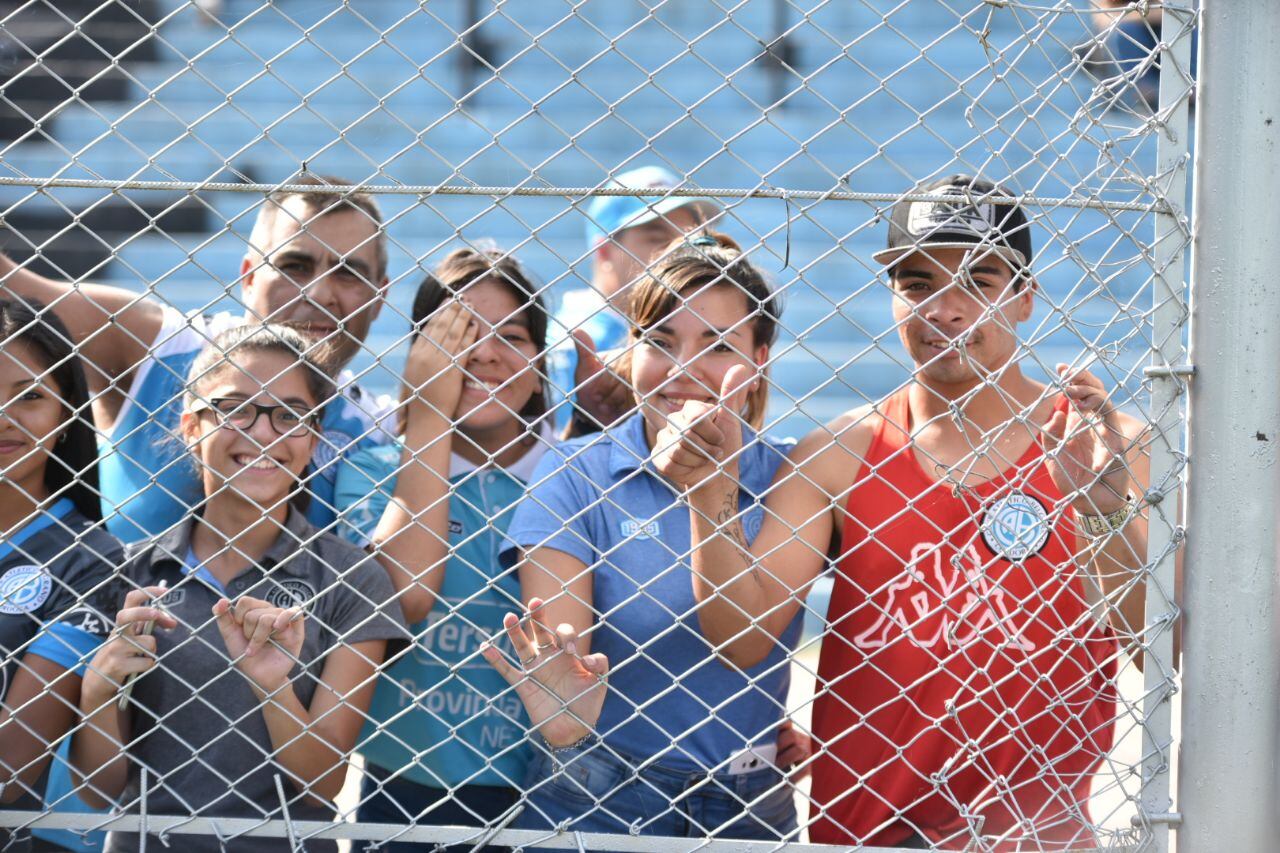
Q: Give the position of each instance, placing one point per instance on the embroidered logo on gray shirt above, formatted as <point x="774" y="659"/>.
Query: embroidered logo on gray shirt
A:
<point x="290" y="593"/>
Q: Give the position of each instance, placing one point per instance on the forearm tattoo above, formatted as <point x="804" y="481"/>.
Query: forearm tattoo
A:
<point x="729" y="522"/>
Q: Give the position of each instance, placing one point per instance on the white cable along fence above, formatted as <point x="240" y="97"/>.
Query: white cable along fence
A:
<point x="597" y="425"/>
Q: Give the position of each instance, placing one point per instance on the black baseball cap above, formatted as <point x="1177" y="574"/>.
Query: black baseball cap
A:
<point x="967" y="221"/>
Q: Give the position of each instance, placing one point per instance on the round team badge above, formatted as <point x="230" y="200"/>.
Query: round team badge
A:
<point x="23" y="589"/>
<point x="1016" y="527"/>
<point x="289" y="593"/>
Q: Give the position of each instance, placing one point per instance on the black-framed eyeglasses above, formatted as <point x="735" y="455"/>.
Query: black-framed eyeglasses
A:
<point x="243" y="414"/>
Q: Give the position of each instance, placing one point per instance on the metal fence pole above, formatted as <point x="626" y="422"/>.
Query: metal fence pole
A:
<point x="1227" y="776"/>
<point x="1168" y="385"/>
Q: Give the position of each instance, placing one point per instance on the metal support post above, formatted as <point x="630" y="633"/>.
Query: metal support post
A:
<point x="1227" y="780"/>
<point x="1168" y="376"/>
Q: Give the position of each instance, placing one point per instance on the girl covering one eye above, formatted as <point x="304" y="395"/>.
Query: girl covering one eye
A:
<point x="444" y="736"/>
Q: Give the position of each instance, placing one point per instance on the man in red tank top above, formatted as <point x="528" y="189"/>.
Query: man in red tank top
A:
<point x="988" y="540"/>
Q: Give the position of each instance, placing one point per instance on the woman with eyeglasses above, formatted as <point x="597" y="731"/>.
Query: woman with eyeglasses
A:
<point x="267" y="633"/>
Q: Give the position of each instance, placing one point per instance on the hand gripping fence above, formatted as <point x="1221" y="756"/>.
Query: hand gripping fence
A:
<point x="311" y="380"/>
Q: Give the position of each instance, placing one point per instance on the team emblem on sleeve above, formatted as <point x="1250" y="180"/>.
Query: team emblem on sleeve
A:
<point x="23" y="589"/>
<point x="1016" y="526"/>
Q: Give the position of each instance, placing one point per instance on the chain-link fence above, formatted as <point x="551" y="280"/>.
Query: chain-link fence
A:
<point x="716" y="425"/>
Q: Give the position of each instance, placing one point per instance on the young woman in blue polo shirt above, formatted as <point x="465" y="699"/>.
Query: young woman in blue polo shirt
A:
<point x="55" y="560"/>
<point x="679" y="743"/>
<point x="444" y="745"/>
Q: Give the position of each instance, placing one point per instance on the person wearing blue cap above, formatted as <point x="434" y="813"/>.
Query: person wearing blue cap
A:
<point x="625" y="234"/>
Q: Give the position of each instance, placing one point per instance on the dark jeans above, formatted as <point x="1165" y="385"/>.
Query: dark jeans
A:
<point x="401" y="801"/>
<point x="595" y="790"/>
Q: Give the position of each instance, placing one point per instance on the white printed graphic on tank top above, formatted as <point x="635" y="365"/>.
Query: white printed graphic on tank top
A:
<point x="922" y="606"/>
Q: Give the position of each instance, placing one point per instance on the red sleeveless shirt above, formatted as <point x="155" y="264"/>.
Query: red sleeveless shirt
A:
<point x="964" y="685"/>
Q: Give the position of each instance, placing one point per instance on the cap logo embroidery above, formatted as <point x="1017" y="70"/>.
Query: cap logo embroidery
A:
<point x="926" y="216"/>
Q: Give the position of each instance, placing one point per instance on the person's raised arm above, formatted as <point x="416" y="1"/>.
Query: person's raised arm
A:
<point x="600" y="398"/>
<point x="557" y="678"/>
<point x="411" y="540"/>
<point x="560" y="684"/>
<point x="114" y="328"/>
<point x="749" y="592"/>
<point x="1099" y="460"/>
<point x="561" y="583"/>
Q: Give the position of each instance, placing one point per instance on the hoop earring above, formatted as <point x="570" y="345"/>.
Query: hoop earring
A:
<point x="62" y="437"/>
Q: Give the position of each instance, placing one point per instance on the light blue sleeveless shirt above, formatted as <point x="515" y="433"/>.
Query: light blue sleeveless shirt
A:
<point x="148" y="480"/>
<point x="441" y="711"/>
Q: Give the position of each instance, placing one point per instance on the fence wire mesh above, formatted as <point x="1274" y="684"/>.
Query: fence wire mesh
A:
<point x="496" y="536"/>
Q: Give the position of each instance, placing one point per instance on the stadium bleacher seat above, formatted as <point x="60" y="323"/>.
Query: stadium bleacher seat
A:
<point x="375" y="92"/>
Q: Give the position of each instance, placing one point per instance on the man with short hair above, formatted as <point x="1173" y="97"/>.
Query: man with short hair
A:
<point x="625" y="234"/>
<point x="316" y="261"/>
<point x="989" y="532"/>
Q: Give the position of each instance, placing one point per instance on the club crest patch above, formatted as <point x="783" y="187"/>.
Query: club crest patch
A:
<point x="23" y="589"/>
<point x="1016" y="527"/>
<point x="290" y="593"/>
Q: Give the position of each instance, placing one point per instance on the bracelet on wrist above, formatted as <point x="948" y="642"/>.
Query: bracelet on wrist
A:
<point x="580" y="742"/>
<point x="1099" y="526"/>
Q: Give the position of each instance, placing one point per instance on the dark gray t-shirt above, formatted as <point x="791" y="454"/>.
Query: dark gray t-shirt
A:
<point x="197" y="724"/>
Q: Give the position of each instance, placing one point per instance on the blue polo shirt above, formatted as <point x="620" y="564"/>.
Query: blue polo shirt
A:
<point x="596" y="498"/>
<point x="147" y="478"/>
<point x="440" y="712"/>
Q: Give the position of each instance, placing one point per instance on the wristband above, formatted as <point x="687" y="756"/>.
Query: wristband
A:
<point x="582" y="741"/>
<point x="1097" y="526"/>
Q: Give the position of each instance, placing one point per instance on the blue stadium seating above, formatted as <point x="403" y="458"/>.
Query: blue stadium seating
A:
<point x="879" y="94"/>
